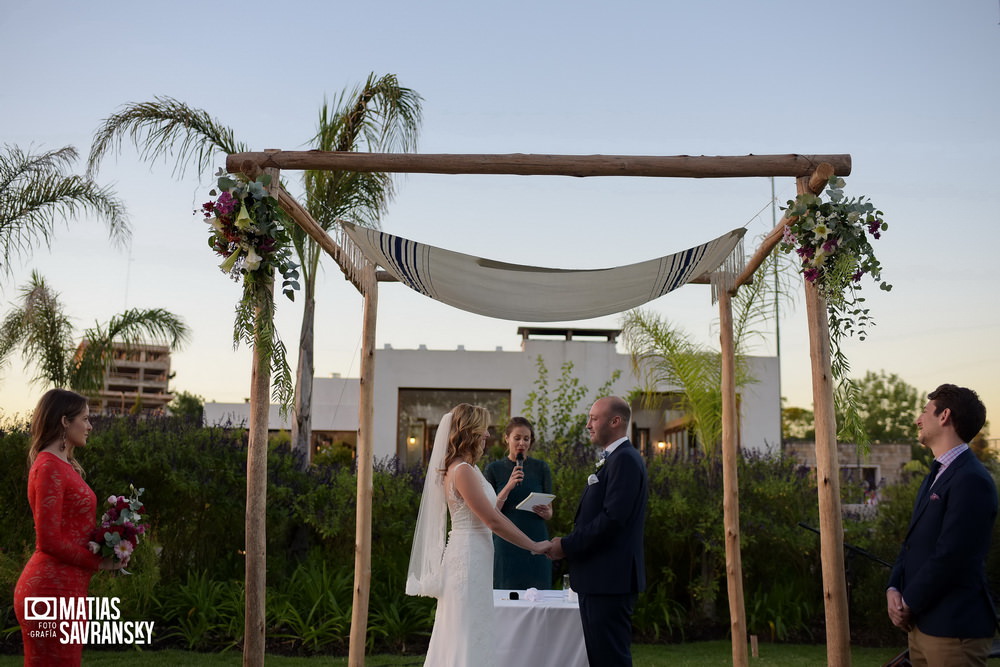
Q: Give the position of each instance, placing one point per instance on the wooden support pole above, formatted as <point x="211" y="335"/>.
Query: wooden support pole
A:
<point x="363" y="522"/>
<point x="831" y="528"/>
<point x="816" y="182"/>
<point x="730" y="484"/>
<point x="256" y="512"/>
<point x="684" y="166"/>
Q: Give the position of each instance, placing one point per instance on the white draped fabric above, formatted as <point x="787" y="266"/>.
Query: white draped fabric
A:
<point x="536" y="294"/>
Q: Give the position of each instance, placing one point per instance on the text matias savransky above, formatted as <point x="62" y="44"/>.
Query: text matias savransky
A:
<point x="84" y="620"/>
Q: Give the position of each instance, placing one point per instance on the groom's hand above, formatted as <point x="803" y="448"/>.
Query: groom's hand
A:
<point x="555" y="551"/>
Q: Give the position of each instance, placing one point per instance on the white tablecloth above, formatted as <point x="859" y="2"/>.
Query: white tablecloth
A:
<point x="544" y="633"/>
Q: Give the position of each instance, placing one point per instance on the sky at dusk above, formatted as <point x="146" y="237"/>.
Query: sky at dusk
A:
<point x="909" y="90"/>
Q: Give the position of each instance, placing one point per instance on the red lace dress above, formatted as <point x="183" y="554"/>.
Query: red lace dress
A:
<point x="64" y="509"/>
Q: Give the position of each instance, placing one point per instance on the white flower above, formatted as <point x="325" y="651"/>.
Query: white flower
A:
<point x="252" y="261"/>
<point x="821" y="230"/>
<point x="592" y="480"/>
<point x="94" y="547"/>
<point x="600" y="463"/>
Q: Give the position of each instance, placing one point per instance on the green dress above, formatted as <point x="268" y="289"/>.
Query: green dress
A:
<point x="513" y="567"/>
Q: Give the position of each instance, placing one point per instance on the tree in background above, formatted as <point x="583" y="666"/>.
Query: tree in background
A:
<point x="887" y="407"/>
<point x="665" y="356"/>
<point x="380" y="115"/>
<point x="559" y="416"/>
<point x="35" y="190"/>
<point x="40" y="327"/>
<point x="797" y="423"/>
<point x="187" y="406"/>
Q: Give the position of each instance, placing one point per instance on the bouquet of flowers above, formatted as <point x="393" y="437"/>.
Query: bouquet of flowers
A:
<point x="118" y="533"/>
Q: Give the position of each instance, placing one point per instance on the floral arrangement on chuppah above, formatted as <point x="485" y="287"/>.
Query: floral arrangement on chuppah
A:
<point x="247" y="231"/>
<point x="833" y="240"/>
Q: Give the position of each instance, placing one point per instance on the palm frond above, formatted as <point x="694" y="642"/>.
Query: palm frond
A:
<point x="43" y="332"/>
<point x="17" y="164"/>
<point x="35" y="191"/>
<point x="164" y="128"/>
<point x="130" y="329"/>
<point x="378" y="116"/>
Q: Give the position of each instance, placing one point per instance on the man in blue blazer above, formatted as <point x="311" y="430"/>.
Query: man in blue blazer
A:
<point x="605" y="549"/>
<point x="937" y="590"/>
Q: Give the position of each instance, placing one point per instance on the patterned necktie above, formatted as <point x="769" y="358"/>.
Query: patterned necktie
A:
<point x="604" y="454"/>
<point x="931" y="476"/>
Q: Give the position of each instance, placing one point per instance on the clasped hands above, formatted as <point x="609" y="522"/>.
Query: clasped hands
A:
<point x="552" y="549"/>
<point x="899" y="612"/>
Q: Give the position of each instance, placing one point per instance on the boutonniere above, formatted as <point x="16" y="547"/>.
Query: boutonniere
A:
<point x="600" y="463"/>
<point x="592" y="480"/>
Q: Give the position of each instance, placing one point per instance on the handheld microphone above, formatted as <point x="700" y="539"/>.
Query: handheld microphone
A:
<point x="520" y="463"/>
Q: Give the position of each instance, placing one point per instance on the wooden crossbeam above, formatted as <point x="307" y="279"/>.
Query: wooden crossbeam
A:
<point x="680" y="166"/>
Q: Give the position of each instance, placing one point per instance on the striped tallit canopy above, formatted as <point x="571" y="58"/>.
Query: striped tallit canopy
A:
<point x="531" y="293"/>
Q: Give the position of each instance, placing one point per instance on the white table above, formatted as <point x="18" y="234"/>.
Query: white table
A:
<point x="543" y="633"/>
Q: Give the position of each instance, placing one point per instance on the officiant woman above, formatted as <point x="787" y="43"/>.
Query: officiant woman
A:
<point x="514" y="478"/>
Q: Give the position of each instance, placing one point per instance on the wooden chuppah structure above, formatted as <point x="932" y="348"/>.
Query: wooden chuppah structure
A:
<point x="812" y="173"/>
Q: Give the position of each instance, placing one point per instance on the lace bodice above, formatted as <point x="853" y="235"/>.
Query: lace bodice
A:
<point x="462" y="517"/>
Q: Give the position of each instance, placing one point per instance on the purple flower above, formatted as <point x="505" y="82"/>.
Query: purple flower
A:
<point x="830" y="245"/>
<point x="806" y="252"/>
<point x="225" y="205"/>
<point x="857" y="276"/>
<point x="811" y="274"/>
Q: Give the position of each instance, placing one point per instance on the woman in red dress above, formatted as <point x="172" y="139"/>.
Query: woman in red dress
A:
<point x="64" y="509"/>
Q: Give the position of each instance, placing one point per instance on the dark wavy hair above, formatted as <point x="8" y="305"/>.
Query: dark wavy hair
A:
<point x="47" y="426"/>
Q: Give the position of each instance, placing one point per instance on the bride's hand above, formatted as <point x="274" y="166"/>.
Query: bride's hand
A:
<point x="541" y="548"/>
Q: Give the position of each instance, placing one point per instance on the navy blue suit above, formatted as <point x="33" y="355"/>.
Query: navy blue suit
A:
<point x="605" y="554"/>
<point x="941" y="569"/>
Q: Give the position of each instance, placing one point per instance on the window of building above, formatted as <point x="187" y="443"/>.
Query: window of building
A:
<point x="420" y="411"/>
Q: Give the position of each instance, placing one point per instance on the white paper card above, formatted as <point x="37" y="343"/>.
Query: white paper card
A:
<point x="535" y="499"/>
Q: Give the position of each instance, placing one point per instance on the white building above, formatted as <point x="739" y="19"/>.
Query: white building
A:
<point x="414" y="388"/>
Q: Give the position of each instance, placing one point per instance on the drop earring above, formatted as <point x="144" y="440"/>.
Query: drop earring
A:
<point x="62" y="447"/>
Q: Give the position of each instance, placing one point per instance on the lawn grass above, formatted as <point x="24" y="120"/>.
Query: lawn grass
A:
<point x="695" y="654"/>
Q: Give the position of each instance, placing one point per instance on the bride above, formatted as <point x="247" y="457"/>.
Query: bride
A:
<point x="460" y="574"/>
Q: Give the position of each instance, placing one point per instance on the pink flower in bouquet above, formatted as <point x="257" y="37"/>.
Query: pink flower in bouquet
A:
<point x="123" y="550"/>
<point x="118" y="533"/>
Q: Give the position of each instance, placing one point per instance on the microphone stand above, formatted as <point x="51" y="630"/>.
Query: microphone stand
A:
<point x="901" y="660"/>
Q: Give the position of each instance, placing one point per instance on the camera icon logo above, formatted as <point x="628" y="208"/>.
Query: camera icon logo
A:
<point x="41" y="609"/>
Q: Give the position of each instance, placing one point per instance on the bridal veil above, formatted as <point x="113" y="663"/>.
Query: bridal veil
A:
<point x="425" y="575"/>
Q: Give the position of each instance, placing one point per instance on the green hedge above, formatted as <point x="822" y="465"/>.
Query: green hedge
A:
<point x="188" y="575"/>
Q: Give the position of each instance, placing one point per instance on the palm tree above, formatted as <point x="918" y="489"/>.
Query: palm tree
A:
<point x="40" y="327"/>
<point x="35" y="190"/>
<point x="379" y="115"/>
<point x="663" y="354"/>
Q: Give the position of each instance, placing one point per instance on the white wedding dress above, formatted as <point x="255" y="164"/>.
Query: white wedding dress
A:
<point x="463" y="623"/>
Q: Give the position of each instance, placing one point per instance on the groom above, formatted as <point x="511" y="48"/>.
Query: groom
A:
<point x="604" y="551"/>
